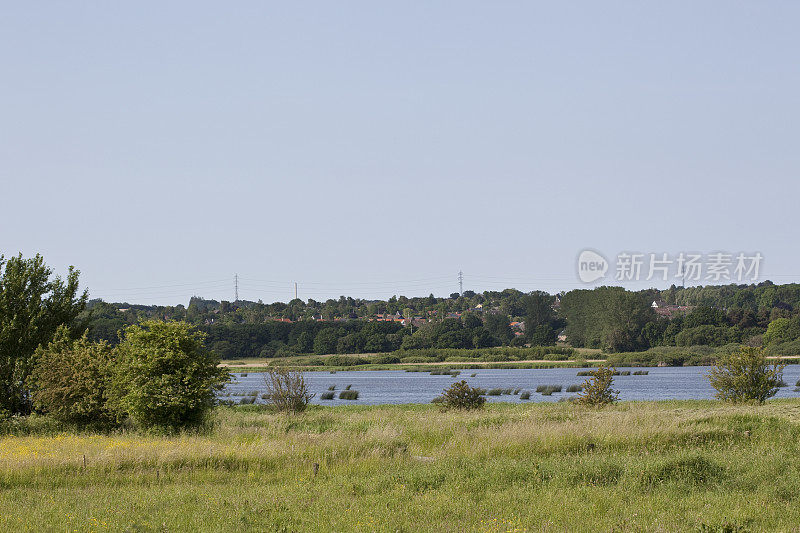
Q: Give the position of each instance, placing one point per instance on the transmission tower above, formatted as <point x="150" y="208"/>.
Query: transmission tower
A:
<point x="236" y="287"/>
<point x="460" y="283"/>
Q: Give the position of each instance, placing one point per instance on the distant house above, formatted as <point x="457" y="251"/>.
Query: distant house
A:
<point x="666" y="310"/>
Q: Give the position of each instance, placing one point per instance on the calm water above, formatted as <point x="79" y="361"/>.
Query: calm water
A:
<point x="398" y="386"/>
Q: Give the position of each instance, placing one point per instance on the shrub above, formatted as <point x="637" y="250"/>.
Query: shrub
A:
<point x="287" y="390"/>
<point x="597" y="391"/>
<point x="459" y="395"/>
<point x="345" y="360"/>
<point x="348" y="395"/>
<point x="328" y="395"/>
<point x="332" y="387"/>
<point x="745" y="375"/>
<point x="574" y="388"/>
<point x="164" y="377"/>
<point x="386" y="360"/>
<point x="70" y="380"/>
<point x="641" y="372"/>
<point x="525" y="395"/>
<point x="495" y="392"/>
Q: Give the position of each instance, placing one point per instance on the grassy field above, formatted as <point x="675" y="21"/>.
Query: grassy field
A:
<point x="637" y="466"/>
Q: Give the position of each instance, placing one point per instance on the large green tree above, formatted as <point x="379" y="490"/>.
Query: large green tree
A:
<point x="164" y="376"/>
<point x="32" y="307"/>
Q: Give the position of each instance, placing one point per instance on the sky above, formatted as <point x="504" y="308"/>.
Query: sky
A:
<point x="379" y="148"/>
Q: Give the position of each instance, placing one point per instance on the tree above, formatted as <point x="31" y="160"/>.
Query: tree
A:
<point x="32" y="307"/>
<point x="597" y="390"/>
<point x="325" y="341"/>
<point x="498" y="325"/>
<point x="70" y="380"/>
<point x="164" y="377"/>
<point x="745" y="376"/>
<point x="287" y="390"/>
<point x="305" y="342"/>
<point x="461" y="396"/>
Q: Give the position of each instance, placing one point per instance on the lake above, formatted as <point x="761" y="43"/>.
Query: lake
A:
<point x="397" y="386"/>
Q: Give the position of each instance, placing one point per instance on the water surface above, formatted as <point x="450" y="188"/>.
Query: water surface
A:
<point x="397" y="386"/>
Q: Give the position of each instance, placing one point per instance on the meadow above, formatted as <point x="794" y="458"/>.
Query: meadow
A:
<point x="634" y="466"/>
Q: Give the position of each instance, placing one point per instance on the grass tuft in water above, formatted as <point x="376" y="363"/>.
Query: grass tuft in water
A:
<point x="348" y="394"/>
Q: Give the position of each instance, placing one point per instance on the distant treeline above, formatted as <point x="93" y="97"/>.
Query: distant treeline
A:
<point x="610" y="318"/>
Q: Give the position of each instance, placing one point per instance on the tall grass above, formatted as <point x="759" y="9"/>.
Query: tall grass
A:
<point x="549" y="389"/>
<point x="348" y="395"/>
<point x="635" y="466"/>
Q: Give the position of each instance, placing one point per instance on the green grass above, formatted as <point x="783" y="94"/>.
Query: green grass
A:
<point x="636" y="466"/>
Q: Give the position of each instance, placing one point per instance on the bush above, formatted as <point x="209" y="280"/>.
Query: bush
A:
<point x="459" y="395"/>
<point x="495" y="392"/>
<point x="574" y="388"/>
<point x="348" y="395"/>
<point x="525" y="395"/>
<point x="70" y="380"/>
<point x="164" y="377"/>
<point x="328" y="395"/>
<point x="345" y="360"/>
<point x="287" y="390"/>
<point x="386" y="360"/>
<point x="745" y="376"/>
<point x="597" y="391"/>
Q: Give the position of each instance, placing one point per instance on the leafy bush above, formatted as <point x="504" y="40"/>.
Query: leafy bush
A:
<point x="386" y="360"/>
<point x="164" y="376"/>
<point x="597" y="391"/>
<point x="345" y="360"/>
<point x="574" y="388"/>
<point x="70" y="380"/>
<point x="461" y="396"/>
<point x="328" y="395"/>
<point x="287" y="390"/>
<point x="746" y="376"/>
<point x="526" y="395"/>
<point x="348" y="395"/>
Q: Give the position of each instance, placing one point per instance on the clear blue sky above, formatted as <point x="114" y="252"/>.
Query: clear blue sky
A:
<point x="375" y="148"/>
